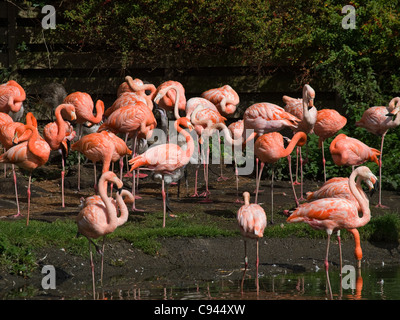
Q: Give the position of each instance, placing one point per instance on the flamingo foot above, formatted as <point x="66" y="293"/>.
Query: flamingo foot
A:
<point x="380" y="205"/>
<point x="296" y="183"/>
<point x="172" y="215"/>
<point x="18" y="215"/>
<point x="255" y="191"/>
<point x="222" y="178"/>
<point x="138" y="197"/>
<point x="142" y="175"/>
<point x="205" y="194"/>
<point x="301" y="199"/>
<point x="206" y="200"/>
<point x="194" y="195"/>
<point x="238" y="200"/>
<point x="134" y="209"/>
<point x="128" y="175"/>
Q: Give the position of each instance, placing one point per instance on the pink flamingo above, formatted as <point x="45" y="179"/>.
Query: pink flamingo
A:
<point x="304" y="110"/>
<point x="333" y="214"/>
<point x="348" y="151"/>
<point x="12" y="96"/>
<point x="83" y="104"/>
<point x="269" y="148"/>
<point x="57" y="134"/>
<point x="98" y="146"/>
<point x="140" y="88"/>
<point x="166" y="158"/>
<point x="329" y="122"/>
<point x="172" y="97"/>
<point x="378" y="120"/>
<point x="224" y="98"/>
<point x="27" y="155"/>
<point x="99" y="216"/>
<point x="252" y="221"/>
<point x="236" y="129"/>
<point x="7" y="134"/>
<point x="126" y="98"/>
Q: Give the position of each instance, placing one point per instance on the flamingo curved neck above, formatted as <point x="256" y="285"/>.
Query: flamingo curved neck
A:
<point x="110" y="208"/>
<point x="189" y="142"/>
<point x="363" y="201"/>
<point x="124" y="213"/>
<point x="299" y="137"/>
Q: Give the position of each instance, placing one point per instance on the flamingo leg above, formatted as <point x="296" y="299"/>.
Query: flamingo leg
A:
<point x="326" y="263"/>
<point x="257" y="263"/>
<point x="323" y="160"/>
<point x="102" y="260"/>
<point x="301" y="176"/>
<point x="62" y="181"/>
<point x="79" y="159"/>
<point x="291" y="179"/>
<point x="237" y="183"/>
<point x="380" y="205"/>
<point x="197" y="171"/>
<point x="258" y="181"/>
<point x="164" y="200"/>
<point x="29" y="198"/>
<point x="134" y="176"/>
<point x="340" y="248"/>
<point x="272" y="195"/>
<point x="16" y="192"/>
<point x="221" y="177"/>
<point x="297" y="165"/>
<point x="257" y="161"/>
<point x="92" y="268"/>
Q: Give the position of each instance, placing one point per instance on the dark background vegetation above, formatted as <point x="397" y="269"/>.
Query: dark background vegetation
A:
<point x="263" y="49"/>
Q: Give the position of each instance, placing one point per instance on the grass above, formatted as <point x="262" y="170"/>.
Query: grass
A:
<point x="18" y="242"/>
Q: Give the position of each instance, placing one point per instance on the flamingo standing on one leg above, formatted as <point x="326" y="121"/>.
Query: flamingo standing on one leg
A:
<point x="171" y="98"/>
<point x="168" y="157"/>
<point x="378" y="120"/>
<point x="308" y="116"/>
<point x="225" y="99"/>
<point x="333" y="214"/>
<point x="252" y="221"/>
<point x="27" y="155"/>
<point x="58" y="134"/>
<point x="269" y="148"/>
<point x="329" y="122"/>
<point x="83" y="104"/>
<point x="348" y="151"/>
<point x="99" y="216"/>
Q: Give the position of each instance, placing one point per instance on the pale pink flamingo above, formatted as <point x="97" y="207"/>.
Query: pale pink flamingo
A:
<point x="84" y="105"/>
<point x="27" y="155"/>
<point x="12" y="95"/>
<point x="166" y="158"/>
<point x="347" y="151"/>
<point x="329" y="122"/>
<point x="7" y="134"/>
<point x="58" y="134"/>
<point x="333" y="214"/>
<point x="252" y="221"/>
<point x="224" y="98"/>
<point x="378" y="120"/>
<point x="304" y="110"/>
<point x="172" y="97"/>
<point x="99" y="216"/>
<point x="269" y="148"/>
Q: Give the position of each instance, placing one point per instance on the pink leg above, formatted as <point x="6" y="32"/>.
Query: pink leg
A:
<point x="380" y="205"/>
<point x="29" y="198"/>
<point x="62" y="182"/>
<point x="16" y="192"/>
<point x="134" y="177"/>
<point x="258" y="181"/>
<point x="164" y="201"/>
<point x="326" y="263"/>
<point x="259" y="190"/>
<point x="207" y="192"/>
<point x="92" y="268"/>
<point x="257" y="263"/>
<point x="79" y="160"/>
<point x="221" y="177"/>
<point x="323" y="160"/>
<point x="297" y="165"/>
<point x="301" y="178"/>
<point x="291" y="179"/>
<point x="272" y="195"/>
<point x="196" y="175"/>
<point x="238" y="200"/>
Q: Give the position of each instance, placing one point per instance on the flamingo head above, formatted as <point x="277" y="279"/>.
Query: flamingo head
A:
<point x="309" y="95"/>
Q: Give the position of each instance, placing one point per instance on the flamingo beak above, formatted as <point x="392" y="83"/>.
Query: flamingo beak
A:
<point x="73" y="115"/>
<point x="311" y="103"/>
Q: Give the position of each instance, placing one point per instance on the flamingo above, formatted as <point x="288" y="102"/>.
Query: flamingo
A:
<point x="97" y="147"/>
<point x="378" y="120"/>
<point x="269" y="148"/>
<point x="252" y="221"/>
<point x="333" y="214"/>
<point x="27" y="155"/>
<point x="124" y="99"/>
<point x="172" y="96"/>
<point x="83" y="104"/>
<point x="329" y="122"/>
<point x="224" y="98"/>
<point x="98" y="216"/>
<point x="166" y="158"/>
<point x="236" y="129"/>
<point x="12" y="96"/>
<point x="140" y="88"/>
<point x="58" y="134"/>
<point x="304" y="110"/>
<point x="348" y="151"/>
<point x="7" y="134"/>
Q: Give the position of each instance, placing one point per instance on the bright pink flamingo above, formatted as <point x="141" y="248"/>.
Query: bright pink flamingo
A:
<point x="378" y="120"/>
<point x="252" y="221"/>
<point x="166" y="158"/>
<point x="99" y="216"/>
<point x="348" y="151"/>
<point x="83" y="104"/>
<point x="11" y="97"/>
<point x="58" y="134"/>
<point x="329" y="122"/>
<point x="333" y="214"/>
<point x="269" y="148"/>
<point x="225" y="99"/>
<point x="7" y="134"/>
<point x="123" y="100"/>
<point x="27" y="155"/>
<point x="172" y="97"/>
<point x="304" y="110"/>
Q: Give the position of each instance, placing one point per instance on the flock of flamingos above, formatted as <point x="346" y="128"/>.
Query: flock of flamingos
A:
<point x="335" y="206"/>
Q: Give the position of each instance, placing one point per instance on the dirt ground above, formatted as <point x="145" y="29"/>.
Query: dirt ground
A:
<point x="179" y="258"/>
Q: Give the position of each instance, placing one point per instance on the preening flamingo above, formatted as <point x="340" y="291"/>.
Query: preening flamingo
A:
<point x="172" y="96"/>
<point x="7" y="134"/>
<point x="269" y="148"/>
<point x="166" y="158"/>
<point x="123" y="100"/>
<point x="140" y="88"/>
<point x="252" y="221"/>
<point x="225" y="99"/>
<point x="58" y="134"/>
<point x="378" y="120"/>
<point x="83" y="104"/>
<point x="99" y="216"/>
<point x="12" y="95"/>
<point x="333" y="214"/>
<point x="329" y="122"/>
<point x="31" y="152"/>
<point x="348" y="151"/>
<point x="304" y="110"/>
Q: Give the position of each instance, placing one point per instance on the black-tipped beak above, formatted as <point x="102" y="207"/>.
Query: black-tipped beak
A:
<point x="390" y="115"/>
<point x="372" y="191"/>
<point x="119" y="190"/>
